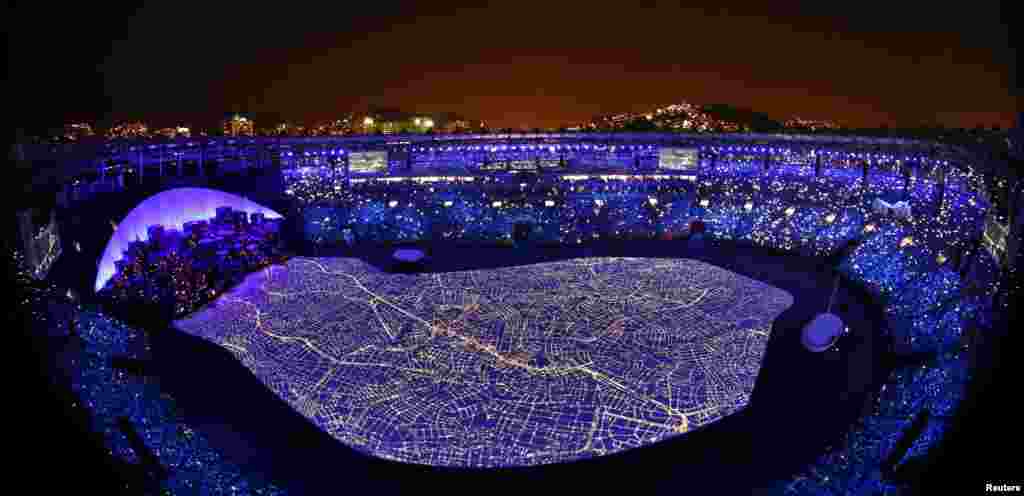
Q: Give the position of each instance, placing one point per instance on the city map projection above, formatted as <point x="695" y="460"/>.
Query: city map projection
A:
<point x="500" y="367"/>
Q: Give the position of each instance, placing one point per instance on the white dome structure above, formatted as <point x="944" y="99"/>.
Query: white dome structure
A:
<point x="171" y="209"/>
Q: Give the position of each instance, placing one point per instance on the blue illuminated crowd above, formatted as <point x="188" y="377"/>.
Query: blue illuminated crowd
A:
<point x="88" y="344"/>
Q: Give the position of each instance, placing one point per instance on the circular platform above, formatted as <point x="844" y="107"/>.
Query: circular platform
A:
<point x="409" y="255"/>
<point x="822" y="332"/>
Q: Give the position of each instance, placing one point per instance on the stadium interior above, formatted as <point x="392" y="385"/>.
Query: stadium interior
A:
<point x="521" y="308"/>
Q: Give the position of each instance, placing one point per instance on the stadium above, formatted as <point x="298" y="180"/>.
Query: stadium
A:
<point x="522" y="308"/>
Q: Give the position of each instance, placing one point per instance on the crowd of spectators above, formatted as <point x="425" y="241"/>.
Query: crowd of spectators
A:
<point x="556" y="211"/>
<point x="153" y="450"/>
<point x="179" y="271"/>
<point x="789" y="207"/>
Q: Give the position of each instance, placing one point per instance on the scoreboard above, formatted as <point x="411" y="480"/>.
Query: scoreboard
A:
<point x="368" y="162"/>
<point x="678" y="159"/>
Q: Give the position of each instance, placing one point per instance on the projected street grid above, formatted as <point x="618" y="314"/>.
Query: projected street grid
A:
<point x="500" y="367"/>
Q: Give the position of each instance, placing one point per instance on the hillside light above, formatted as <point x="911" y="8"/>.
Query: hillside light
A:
<point x="790" y="211"/>
<point x="392" y="203"/>
<point x="748" y="206"/>
<point x="830" y="218"/>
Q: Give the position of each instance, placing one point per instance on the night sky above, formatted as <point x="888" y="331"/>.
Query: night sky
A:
<point x="520" y="63"/>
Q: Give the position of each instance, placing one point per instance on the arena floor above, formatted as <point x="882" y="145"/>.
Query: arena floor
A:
<point x="511" y="366"/>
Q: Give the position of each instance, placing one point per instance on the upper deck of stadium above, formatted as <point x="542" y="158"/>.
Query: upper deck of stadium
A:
<point x="425" y="154"/>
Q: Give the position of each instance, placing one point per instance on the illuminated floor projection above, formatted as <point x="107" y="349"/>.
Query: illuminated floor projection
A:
<point x="500" y="367"/>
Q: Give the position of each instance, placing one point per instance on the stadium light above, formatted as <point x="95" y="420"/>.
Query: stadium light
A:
<point x="705" y="202"/>
<point x="790" y="211"/>
<point x="393" y="203"/>
<point x="549" y="203"/>
<point x="941" y="259"/>
<point x="748" y="206"/>
<point x="448" y="203"/>
<point x="830" y="218"/>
